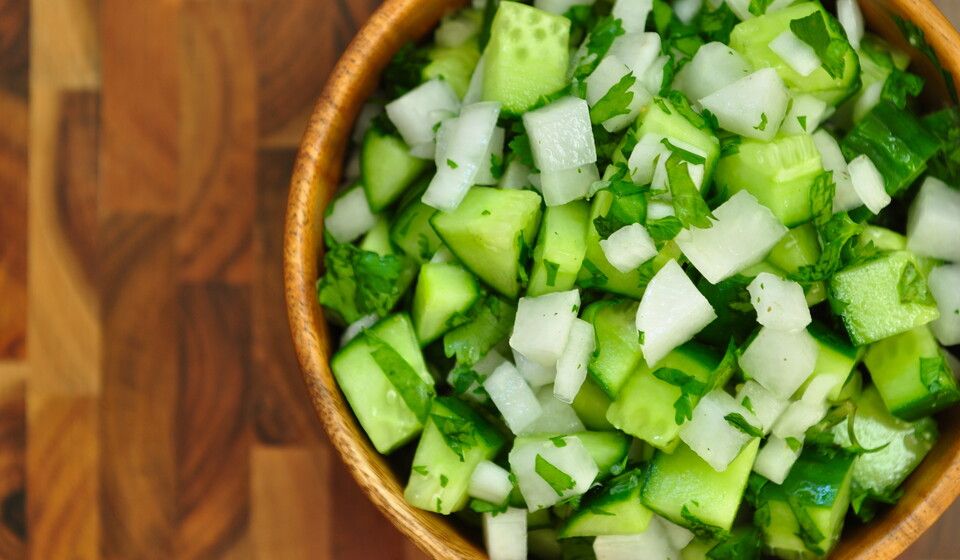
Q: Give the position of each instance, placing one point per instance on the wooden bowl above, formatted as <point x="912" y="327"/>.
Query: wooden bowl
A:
<point x="931" y="489"/>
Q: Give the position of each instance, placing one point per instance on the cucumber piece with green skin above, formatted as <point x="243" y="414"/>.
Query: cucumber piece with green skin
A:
<point x="686" y="490"/>
<point x="883" y="297"/>
<point x="608" y="449"/>
<point x="542" y="543"/>
<point x="912" y="375"/>
<point x="778" y="173"/>
<point x="618" y="346"/>
<point x="526" y="58"/>
<point x="384" y="378"/>
<point x="377" y="240"/>
<point x="662" y="118"/>
<point x="445" y="293"/>
<point x="387" y="168"/>
<point x="591" y="406"/>
<point x="803" y="517"/>
<point x="412" y="233"/>
<point x="614" y="509"/>
<point x="491" y="324"/>
<point x="491" y="233"/>
<point x="453" y="64"/>
<point x="561" y="245"/>
<point x="895" y="141"/>
<point x="836" y="360"/>
<point x="455" y="439"/>
<point x="752" y="39"/>
<point x="645" y="406"/>
<point x="877" y="475"/>
<point x="800" y="247"/>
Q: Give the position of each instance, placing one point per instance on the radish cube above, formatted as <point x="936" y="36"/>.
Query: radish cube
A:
<point x="745" y="231"/>
<point x="868" y="184"/>
<point x="512" y="397"/>
<point x="561" y="135"/>
<point x="686" y="10"/>
<point x="516" y="176"/>
<point x="490" y="482"/>
<point x="753" y="106"/>
<point x="714" y="67"/>
<point x="350" y="216"/>
<point x="416" y="112"/>
<point x="561" y="187"/>
<point x="764" y="405"/>
<point x="573" y="362"/>
<point x="805" y="115"/>
<point x="557" y="417"/>
<point x="710" y="435"/>
<point x="780" y="361"/>
<point x="652" y="544"/>
<point x="535" y="374"/>
<point x="632" y="14"/>
<point x="475" y="89"/>
<point x="845" y="197"/>
<point x="780" y="304"/>
<point x="797" y="54"/>
<point x="678" y="536"/>
<point x="637" y="50"/>
<point x="357" y="327"/>
<point x="565" y="469"/>
<point x="851" y="19"/>
<point x="494" y="151"/>
<point x="944" y="284"/>
<point x="933" y="229"/>
<point x="542" y="326"/>
<point x="505" y="534"/>
<point x="628" y="247"/>
<point x="799" y="417"/>
<point x="671" y="312"/>
<point x="776" y="458"/>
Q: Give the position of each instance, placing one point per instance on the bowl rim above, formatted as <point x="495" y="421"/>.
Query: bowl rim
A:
<point x="315" y="178"/>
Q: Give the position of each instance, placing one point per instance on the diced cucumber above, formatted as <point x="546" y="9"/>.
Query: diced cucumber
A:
<point x="560" y="248"/>
<point x="912" y="374"/>
<point x="591" y="406"/>
<point x="453" y="64"/>
<point x="778" y="173"/>
<point x="835" y="360"/>
<point x="412" y="232"/>
<point x="387" y="168"/>
<point x="803" y="517"/>
<point x="885" y="296"/>
<point x="662" y="118"/>
<point x="384" y="378"/>
<point x="455" y="440"/>
<point x="800" y="247"/>
<point x="542" y="544"/>
<point x="899" y="447"/>
<point x="445" y="293"/>
<point x="613" y="510"/>
<point x="686" y="490"/>
<point x="752" y="39"/>
<point x="491" y="323"/>
<point x="491" y="232"/>
<point x="646" y="405"/>
<point x="526" y="58"/>
<point x="895" y="141"/>
<point x="618" y="346"/>
<point x="377" y="240"/>
<point x="608" y="449"/>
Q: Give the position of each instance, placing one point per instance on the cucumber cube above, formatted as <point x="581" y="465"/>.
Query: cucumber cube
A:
<point x="614" y="510"/>
<point x="912" y="374"/>
<point x="527" y="56"/>
<point x="444" y="294"/>
<point x="591" y="406"/>
<point x="780" y="361"/>
<point x="686" y="490"/>
<point x="892" y="283"/>
<point x="387" y="168"/>
<point x="663" y="120"/>
<point x="490" y="233"/>
<point x="560" y="249"/>
<point x="943" y="282"/>
<point x="384" y="378"/>
<point x="618" y="350"/>
<point x="468" y="343"/>
<point x="933" y="229"/>
<point x="454" y="64"/>
<point x="412" y="233"/>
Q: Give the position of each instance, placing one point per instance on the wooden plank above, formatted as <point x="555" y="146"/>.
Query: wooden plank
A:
<point x="15" y="47"/>
<point x="140" y="386"/>
<point x="13" y="225"/>
<point x="356" y="517"/>
<point x="218" y="140"/>
<point x="291" y="507"/>
<point x="13" y="447"/>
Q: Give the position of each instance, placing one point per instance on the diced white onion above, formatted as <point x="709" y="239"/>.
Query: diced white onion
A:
<point x="944" y="284"/>
<point x="572" y="459"/>
<point x="637" y="50"/>
<point x="357" y="327"/>
<point x="350" y="217"/>
<point x="742" y="7"/>
<point x="799" y="417"/>
<point x="561" y="135"/>
<point x="805" y="115"/>
<point x="443" y="255"/>
<point x="542" y="326"/>
<point x="780" y="361"/>
<point x="868" y="184"/>
<point x="628" y="247"/>
<point x="678" y="536"/>
<point x="654" y="543"/>
<point x="775" y="459"/>
<point x="713" y="67"/>
<point x="933" y="229"/>
<point x="490" y="482"/>
<point x="818" y="390"/>
<point x="671" y="312"/>
<point x="515" y="176"/>
<point x="796" y="53"/>
<point x="845" y="198"/>
<point x="780" y="304"/>
<point x="869" y="98"/>
<point x="658" y="209"/>
<point x="475" y="88"/>
<point x="766" y="406"/>
<point x="686" y="10"/>
<point x="561" y="187"/>
<point x="742" y="235"/>
<point x="851" y="18"/>
<point x="505" y="534"/>
<point x="710" y="436"/>
<point x="753" y="106"/>
<point x="632" y="14"/>
<point x="535" y="374"/>
<point x="512" y="397"/>
<point x="557" y="418"/>
<point x="494" y="149"/>
<point x="607" y="75"/>
<point x="416" y="112"/>
<point x="653" y="78"/>
<point x="573" y="362"/>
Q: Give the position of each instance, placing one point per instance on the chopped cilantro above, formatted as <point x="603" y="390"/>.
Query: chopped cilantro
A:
<point x="497" y="166"/>
<point x="759" y="7"/>
<point x="405" y="70"/>
<point x="688" y="203"/>
<point x="559" y="441"/>
<point x="812" y="30"/>
<point x="359" y="283"/>
<point x="763" y="123"/>
<point x="452" y="164"/>
<point x="690" y="388"/>
<point x="664" y="229"/>
<point x="459" y="434"/>
<point x="748" y="404"/>
<point x="552" y="269"/>
<point x="915" y="36"/>
<point x="598" y="43"/>
<point x="483" y="506"/>
<point x="615" y="102"/>
<point x="444" y="481"/>
<point x="793" y="443"/>
<point x="737" y="420"/>
<point x="802" y="119"/>
<point x="557" y="479"/>
<point x="685" y="155"/>
<point x="421" y="470"/>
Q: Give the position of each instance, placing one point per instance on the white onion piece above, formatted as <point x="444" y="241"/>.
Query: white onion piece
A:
<point x="775" y="459"/>
<point x="805" y="115"/>
<point x="851" y="18"/>
<point x="845" y="198"/>
<point x="753" y="106"/>
<point x="572" y="459"/>
<point x="799" y="417"/>
<point x="713" y="67"/>
<point x="658" y="209"/>
<point x="515" y="176"/>
<point x="505" y="534"/>
<point x="797" y="54"/>
<point x="357" y="327"/>
<point x="443" y="255"/>
<point x="686" y="10"/>
<point x="512" y="397"/>
<point x="632" y="14"/>
<point x="944" y="282"/>
<point x="561" y="187"/>
<point x="573" y="362"/>
<point x="742" y="235"/>
<point x="542" y="326"/>
<point x="653" y="543"/>
<point x="933" y="229"/>
<point x="780" y="361"/>
<point x="868" y="184"/>
<point x="869" y="98"/>
<point x="535" y="374"/>
<point x="710" y="436"/>
<point x="475" y="88"/>
<point x="652" y="79"/>
<point x="678" y="536"/>
<point x="561" y="135"/>
<point x="645" y="156"/>
<point x="490" y="482"/>
<point x="557" y="418"/>
<point x="637" y="50"/>
<point x="628" y="247"/>
<point x="607" y="75"/>
<point x="671" y="312"/>
<point x="780" y="304"/>
<point x="766" y="406"/>
<point x="350" y="216"/>
<point x="495" y="148"/>
<point x="416" y="112"/>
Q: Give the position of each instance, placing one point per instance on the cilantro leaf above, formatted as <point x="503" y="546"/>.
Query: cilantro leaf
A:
<point x="483" y="506"/>
<point x="421" y="470"/>
<point x="900" y="85"/>
<point x="358" y="283"/>
<point x="822" y="193"/>
<point x="557" y="479"/>
<point x="685" y="155"/>
<point x="759" y="7"/>
<point x="629" y="205"/>
<point x="452" y="164"/>
<point x="596" y="278"/>
<point x="409" y="385"/>
<point x="915" y="36"/>
<point x="497" y="166"/>
<point x="598" y="43"/>
<point x="793" y="443"/>
<point x="912" y="286"/>
<point x="688" y="203"/>
<point x="834" y="236"/>
<point x="737" y="420"/>
<point x="552" y="269"/>
<point x="615" y="102"/>
<point x="458" y="433"/>
<point x="698" y="526"/>
<point x="763" y="123"/>
<point x="405" y="70"/>
<point x="936" y="376"/>
<point x="664" y="229"/>
<point x="832" y="51"/>
<point x="520" y="146"/>
<point x="690" y="389"/>
<point x="748" y="404"/>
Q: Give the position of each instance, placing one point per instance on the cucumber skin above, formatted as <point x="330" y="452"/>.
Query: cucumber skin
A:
<point x="619" y="502"/>
<point x="386" y="168"/>
<point x="563" y="242"/>
<point x="618" y="350"/>
<point x="412" y="233"/>
<point x="453" y="280"/>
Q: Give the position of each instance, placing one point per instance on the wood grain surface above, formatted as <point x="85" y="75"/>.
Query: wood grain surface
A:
<point x="150" y="401"/>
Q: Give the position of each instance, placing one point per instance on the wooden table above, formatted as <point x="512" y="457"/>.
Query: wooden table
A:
<point x="150" y="405"/>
